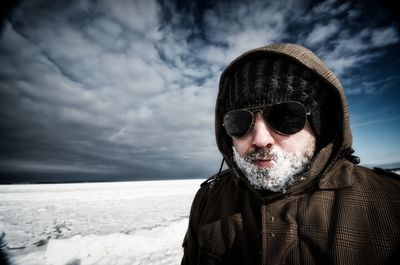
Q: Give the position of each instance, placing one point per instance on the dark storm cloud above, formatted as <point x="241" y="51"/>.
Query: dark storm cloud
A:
<point x="128" y="88"/>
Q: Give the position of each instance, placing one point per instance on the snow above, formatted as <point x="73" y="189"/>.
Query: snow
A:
<point x="96" y="223"/>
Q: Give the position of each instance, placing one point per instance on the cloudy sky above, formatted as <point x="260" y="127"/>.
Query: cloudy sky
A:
<point x="126" y="89"/>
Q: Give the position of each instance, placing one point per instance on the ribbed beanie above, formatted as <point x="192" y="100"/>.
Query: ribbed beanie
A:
<point x="264" y="81"/>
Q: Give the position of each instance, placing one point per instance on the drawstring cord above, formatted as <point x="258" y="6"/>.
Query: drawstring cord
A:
<point x="213" y="181"/>
<point x="220" y="168"/>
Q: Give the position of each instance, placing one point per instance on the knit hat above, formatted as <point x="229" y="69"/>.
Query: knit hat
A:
<point x="264" y="81"/>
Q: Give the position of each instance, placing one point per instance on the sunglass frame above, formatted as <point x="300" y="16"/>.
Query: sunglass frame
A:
<point x="261" y="109"/>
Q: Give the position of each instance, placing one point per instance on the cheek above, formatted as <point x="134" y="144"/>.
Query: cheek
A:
<point x="299" y="143"/>
<point x="242" y="146"/>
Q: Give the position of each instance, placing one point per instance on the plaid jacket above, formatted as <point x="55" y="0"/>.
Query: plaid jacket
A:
<point x="357" y="223"/>
<point x="339" y="213"/>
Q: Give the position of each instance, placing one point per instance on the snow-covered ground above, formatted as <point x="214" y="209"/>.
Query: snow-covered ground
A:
<point x="96" y="223"/>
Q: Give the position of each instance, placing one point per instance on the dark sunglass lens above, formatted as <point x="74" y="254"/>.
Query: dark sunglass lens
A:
<point x="238" y="122"/>
<point x="287" y="117"/>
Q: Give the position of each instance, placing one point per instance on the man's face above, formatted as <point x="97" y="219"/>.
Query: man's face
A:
<point x="271" y="160"/>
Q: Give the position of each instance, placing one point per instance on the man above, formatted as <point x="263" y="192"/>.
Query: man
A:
<point x="293" y="193"/>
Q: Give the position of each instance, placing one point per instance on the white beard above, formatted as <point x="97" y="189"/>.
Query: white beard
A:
<point x="281" y="176"/>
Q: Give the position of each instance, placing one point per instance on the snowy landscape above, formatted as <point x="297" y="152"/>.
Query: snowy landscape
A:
<point x="141" y="222"/>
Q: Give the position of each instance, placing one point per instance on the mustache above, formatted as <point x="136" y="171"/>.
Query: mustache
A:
<point x="263" y="153"/>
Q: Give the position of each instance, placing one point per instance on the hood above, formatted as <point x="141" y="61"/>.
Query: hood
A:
<point x="332" y="150"/>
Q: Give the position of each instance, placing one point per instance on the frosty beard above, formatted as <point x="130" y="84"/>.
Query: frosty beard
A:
<point x="281" y="176"/>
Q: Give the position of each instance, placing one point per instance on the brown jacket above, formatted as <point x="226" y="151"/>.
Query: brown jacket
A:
<point x="339" y="214"/>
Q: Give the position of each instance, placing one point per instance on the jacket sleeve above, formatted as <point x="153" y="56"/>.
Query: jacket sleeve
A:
<point x="190" y="248"/>
<point x="191" y="255"/>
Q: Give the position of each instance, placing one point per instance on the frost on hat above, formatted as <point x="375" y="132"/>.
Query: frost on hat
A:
<point x="272" y="80"/>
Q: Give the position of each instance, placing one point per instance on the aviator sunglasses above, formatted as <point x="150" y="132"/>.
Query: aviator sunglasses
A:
<point x="286" y="118"/>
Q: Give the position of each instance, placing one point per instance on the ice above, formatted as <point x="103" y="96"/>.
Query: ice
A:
<point x="96" y="223"/>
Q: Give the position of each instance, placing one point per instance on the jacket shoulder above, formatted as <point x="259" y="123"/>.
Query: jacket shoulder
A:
<point x="386" y="173"/>
<point x="212" y="181"/>
<point x="209" y="192"/>
<point x="377" y="180"/>
<point x="377" y="172"/>
<point x="212" y="187"/>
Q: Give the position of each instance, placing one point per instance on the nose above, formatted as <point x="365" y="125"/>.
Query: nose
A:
<point x="262" y="135"/>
